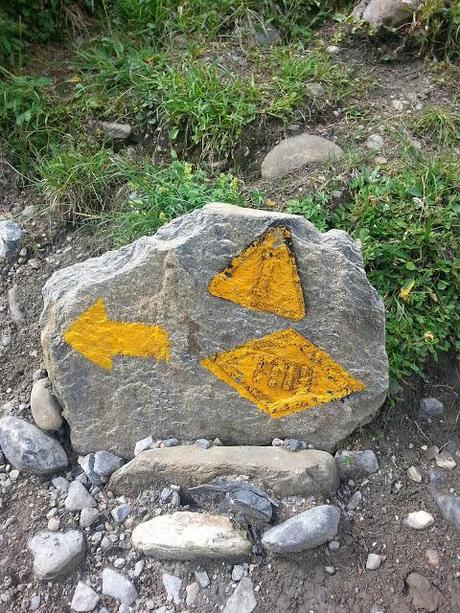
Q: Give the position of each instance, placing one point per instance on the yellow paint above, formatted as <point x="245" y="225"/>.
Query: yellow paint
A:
<point x="99" y="339"/>
<point x="283" y="373"/>
<point x="264" y="277"/>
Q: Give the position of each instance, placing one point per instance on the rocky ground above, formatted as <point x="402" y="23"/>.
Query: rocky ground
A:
<point x="383" y="538"/>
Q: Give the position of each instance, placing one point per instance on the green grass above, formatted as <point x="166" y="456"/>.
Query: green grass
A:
<point x="438" y="124"/>
<point x="407" y="220"/>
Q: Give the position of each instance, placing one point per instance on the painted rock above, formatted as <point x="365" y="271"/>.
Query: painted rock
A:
<point x="233" y="323"/>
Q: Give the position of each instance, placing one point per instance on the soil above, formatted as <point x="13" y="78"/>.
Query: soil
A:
<point x="298" y="584"/>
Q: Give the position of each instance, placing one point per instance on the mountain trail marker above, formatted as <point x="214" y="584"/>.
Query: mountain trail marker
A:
<point x="229" y="322"/>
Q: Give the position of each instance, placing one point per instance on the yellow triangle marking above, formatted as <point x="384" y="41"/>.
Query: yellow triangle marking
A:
<point x="264" y="277"/>
<point x="283" y="373"/>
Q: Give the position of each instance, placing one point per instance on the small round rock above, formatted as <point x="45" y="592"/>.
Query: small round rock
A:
<point x="373" y="561"/>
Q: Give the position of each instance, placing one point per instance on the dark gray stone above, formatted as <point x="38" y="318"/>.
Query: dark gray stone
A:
<point x="105" y="463"/>
<point x="431" y="407"/>
<point x="304" y="531"/>
<point x="251" y="504"/>
<point x="163" y="280"/>
<point x="29" y="449"/>
<point x="356" y="464"/>
<point x="10" y="240"/>
<point x="449" y="506"/>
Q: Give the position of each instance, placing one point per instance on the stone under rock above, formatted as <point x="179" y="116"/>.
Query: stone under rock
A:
<point x="105" y="463"/>
<point x="57" y="554"/>
<point x="449" y="506"/>
<point x="310" y="312"/>
<point x="297" y="151"/>
<point x="304" y="531"/>
<point x="45" y="408"/>
<point x="308" y="472"/>
<point x="78" y="497"/>
<point x="189" y="536"/>
<point x="29" y="449"/>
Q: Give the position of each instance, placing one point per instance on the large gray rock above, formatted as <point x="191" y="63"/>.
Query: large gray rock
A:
<point x="57" y="554"/>
<point x="190" y="536"/>
<point x="392" y="13"/>
<point x="297" y="151"/>
<point x="304" y="531"/>
<point x="308" y="472"/>
<point x="29" y="449"/>
<point x="112" y="400"/>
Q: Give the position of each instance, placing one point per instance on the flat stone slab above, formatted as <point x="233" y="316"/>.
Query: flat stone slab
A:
<point x="297" y="151"/>
<point x="303" y="473"/>
<point x="234" y="323"/>
<point x="190" y="536"/>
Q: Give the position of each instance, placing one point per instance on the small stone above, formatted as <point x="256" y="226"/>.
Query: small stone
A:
<point x="28" y="211"/>
<point x="29" y="449"/>
<point x="121" y="512"/>
<point x="333" y="545"/>
<point x="115" y="131"/>
<point x="53" y="524"/>
<point x="118" y="586"/>
<point x="105" y="463"/>
<point x="60" y="483"/>
<point x="445" y="460"/>
<point x="138" y="568"/>
<point x="143" y="445"/>
<point x="355" y="501"/>
<point x="422" y="594"/>
<point x="119" y="563"/>
<point x="304" y="531"/>
<point x="243" y="599"/>
<point x="267" y="35"/>
<point x="431" y="407"/>
<point x="251" y="503"/>
<point x="187" y="536"/>
<point x="203" y="578"/>
<point x="449" y="506"/>
<point x="87" y="464"/>
<point x="356" y="464"/>
<point x="56" y="554"/>
<point x="10" y="240"/>
<point x="45" y="408"/>
<point x="292" y="444"/>
<point x="203" y="443"/>
<point x="78" y="497"/>
<point x="432" y="556"/>
<point x="84" y="598"/>
<point x="315" y="90"/>
<point x="88" y="516"/>
<point x="170" y="442"/>
<point x="277" y="442"/>
<point x="375" y="142"/>
<point x="34" y="602"/>
<point x="330" y="570"/>
<point x="333" y="49"/>
<point x="419" y="520"/>
<point x="373" y="561"/>
<point x="172" y="586"/>
<point x="414" y="474"/>
<point x="237" y="572"/>
<point x="16" y="314"/>
<point x="192" y="590"/>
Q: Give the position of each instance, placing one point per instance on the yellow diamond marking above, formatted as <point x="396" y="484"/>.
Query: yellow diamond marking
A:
<point x="283" y="373"/>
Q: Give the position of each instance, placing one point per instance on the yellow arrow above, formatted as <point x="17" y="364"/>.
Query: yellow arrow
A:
<point x="99" y="339"/>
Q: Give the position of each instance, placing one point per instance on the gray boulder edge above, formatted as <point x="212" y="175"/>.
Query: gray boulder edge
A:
<point x="163" y="280"/>
<point x="304" y="473"/>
